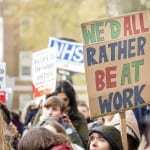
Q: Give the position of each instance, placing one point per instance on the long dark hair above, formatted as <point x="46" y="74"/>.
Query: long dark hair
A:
<point x="64" y="86"/>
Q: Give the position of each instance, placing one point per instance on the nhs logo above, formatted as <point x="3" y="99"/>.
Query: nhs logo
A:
<point x="69" y="54"/>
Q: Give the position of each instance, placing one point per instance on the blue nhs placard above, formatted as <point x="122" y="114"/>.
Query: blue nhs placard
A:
<point x="69" y="54"/>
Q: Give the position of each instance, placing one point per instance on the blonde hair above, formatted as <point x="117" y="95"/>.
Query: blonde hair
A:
<point x="59" y="128"/>
<point x="5" y="145"/>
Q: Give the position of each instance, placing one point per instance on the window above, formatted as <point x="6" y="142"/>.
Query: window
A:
<point x="25" y="62"/>
<point x="26" y="26"/>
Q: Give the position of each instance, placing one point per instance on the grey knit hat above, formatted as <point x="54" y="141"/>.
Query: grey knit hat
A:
<point x="111" y="134"/>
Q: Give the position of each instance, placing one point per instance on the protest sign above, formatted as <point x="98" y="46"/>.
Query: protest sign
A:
<point x="44" y="71"/>
<point x="10" y="86"/>
<point x="2" y="75"/>
<point x="2" y="96"/>
<point x="69" y="54"/>
<point x="116" y="58"/>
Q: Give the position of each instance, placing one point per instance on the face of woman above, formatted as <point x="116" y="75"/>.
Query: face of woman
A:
<point x="65" y="98"/>
<point x="98" y="143"/>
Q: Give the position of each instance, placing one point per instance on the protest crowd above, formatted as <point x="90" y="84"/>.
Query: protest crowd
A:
<point x="63" y="122"/>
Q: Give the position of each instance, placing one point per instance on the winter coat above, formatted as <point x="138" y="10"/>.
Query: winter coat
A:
<point x="80" y="124"/>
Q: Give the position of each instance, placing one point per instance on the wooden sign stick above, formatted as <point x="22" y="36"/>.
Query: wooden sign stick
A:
<point x="123" y="130"/>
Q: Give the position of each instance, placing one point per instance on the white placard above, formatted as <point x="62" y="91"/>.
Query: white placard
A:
<point x="69" y="54"/>
<point x="2" y="75"/>
<point x="44" y="69"/>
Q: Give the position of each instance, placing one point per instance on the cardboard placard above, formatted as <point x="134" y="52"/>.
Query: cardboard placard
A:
<point x="116" y="59"/>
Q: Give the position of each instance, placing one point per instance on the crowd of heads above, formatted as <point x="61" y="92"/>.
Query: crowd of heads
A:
<point x="63" y="122"/>
<point x="40" y="138"/>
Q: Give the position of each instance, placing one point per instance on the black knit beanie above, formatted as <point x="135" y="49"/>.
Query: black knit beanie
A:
<point x="111" y="134"/>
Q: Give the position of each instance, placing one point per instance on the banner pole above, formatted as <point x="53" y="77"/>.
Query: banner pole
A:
<point x="123" y="130"/>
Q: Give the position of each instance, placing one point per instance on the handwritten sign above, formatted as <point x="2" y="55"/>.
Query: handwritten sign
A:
<point x="117" y="58"/>
<point x="2" y="96"/>
<point x="2" y="75"/>
<point x="69" y="54"/>
<point x="44" y="71"/>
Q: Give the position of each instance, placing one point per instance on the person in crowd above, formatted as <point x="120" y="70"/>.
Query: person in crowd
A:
<point x="15" y="115"/>
<point x="54" y="110"/>
<point x="28" y="113"/>
<point x="5" y="113"/>
<point x="36" y="117"/>
<point x="4" y="143"/>
<point x="96" y="123"/>
<point x="132" y="129"/>
<point x="65" y="90"/>
<point x="140" y="114"/>
<point x="105" y="138"/>
<point x="11" y="133"/>
<point x="55" y="127"/>
<point x="39" y="138"/>
<point x="108" y="118"/>
<point x="84" y="109"/>
<point x="145" y="127"/>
